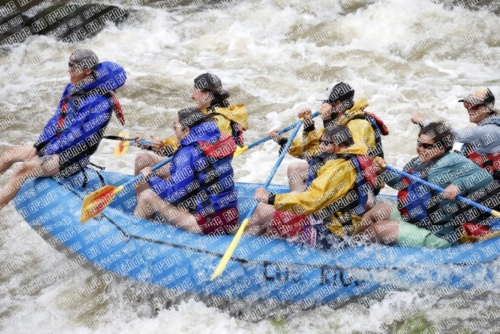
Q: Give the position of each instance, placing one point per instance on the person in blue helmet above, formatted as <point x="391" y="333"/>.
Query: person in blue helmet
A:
<point x="73" y="134"/>
<point x="198" y="195"/>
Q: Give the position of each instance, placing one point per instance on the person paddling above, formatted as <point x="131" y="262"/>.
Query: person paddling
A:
<point x="75" y="131"/>
<point x="212" y="99"/>
<point x="338" y="108"/>
<point x="481" y="143"/>
<point x="333" y="198"/>
<point x="421" y="217"/>
<point x="199" y="194"/>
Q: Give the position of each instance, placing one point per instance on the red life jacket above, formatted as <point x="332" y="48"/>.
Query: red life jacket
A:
<point x="379" y="128"/>
<point x="488" y="162"/>
<point x="223" y="148"/>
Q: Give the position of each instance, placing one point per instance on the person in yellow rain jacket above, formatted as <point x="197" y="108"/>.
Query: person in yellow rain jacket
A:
<point x="212" y="99"/>
<point x="333" y="199"/>
<point x="338" y="108"/>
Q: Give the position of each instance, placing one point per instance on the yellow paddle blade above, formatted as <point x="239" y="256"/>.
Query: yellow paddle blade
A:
<point x="489" y="236"/>
<point x="240" y="150"/>
<point x="97" y="201"/>
<point x="495" y="213"/>
<point x="122" y="146"/>
<point x="230" y="250"/>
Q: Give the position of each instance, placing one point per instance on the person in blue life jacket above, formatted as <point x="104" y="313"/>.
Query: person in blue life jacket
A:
<point x="199" y="195"/>
<point x="73" y="134"/>
<point x="421" y="217"/>
<point x="332" y="200"/>
<point x="213" y="101"/>
<point x="481" y="143"/>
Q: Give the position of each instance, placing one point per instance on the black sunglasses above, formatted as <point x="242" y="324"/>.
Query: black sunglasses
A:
<point x="424" y="145"/>
<point x="326" y="142"/>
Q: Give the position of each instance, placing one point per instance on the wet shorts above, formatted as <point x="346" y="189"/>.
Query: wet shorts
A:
<point x="413" y="236"/>
<point x="219" y="223"/>
<point x="287" y="224"/>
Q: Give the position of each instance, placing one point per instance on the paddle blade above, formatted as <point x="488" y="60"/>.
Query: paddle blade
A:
<point x="122" y="146"/>
<point x="97" y="201"/>
<point x="240" y="150"/>
<point x="230" y="250"/>
<point x="495" y="213"/>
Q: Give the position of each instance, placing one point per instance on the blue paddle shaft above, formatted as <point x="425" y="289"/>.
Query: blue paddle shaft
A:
<point x="296" y="125"/>
<point x="288" y="128"/>
<point x="276" y="165"/>
<point x="434" y="187"/>
<point x="142" y="142"/>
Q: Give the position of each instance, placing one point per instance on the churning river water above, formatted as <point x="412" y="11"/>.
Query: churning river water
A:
<point x="273" y="56"/>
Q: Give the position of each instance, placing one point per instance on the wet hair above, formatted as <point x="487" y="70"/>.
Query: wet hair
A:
<point x="339" y="134"/>
<point x="440" y="133"/>
<point x="190" y="117"/>
<point x="220" y="98"/>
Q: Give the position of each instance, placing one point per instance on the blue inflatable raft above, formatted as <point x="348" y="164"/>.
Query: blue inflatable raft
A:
<point x="265" y="271"/>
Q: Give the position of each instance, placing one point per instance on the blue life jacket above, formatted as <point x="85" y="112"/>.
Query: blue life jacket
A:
<point x="413" y="200"/>
<point x="201" y="175"/>
<point x="76" y="129"/>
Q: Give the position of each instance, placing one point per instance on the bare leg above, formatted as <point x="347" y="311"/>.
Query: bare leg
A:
<point x="148" y="160"/>
<point x="149" y="203"/>
<point x="379" y="212"/>
<point x="386" y="231"/>
<point x="38" y="167"/>
<point x="13" y="155"/>
<point x="261" y="219"/>
<point x="297" y="175"/>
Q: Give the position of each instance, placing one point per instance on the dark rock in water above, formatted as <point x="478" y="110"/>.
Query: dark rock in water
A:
<point x="65" y="21"/>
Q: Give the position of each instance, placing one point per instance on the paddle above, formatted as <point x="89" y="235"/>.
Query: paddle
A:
<point x="97" y="201"/>
<point x="230" y="250"/>
<point x="240" y="150"/>
<point x="124" y="143"/>
<point x="439" y="189"/>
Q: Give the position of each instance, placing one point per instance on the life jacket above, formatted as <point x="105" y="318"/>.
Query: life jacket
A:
<point x="216" y="154"/>
<point x="489" y="162"/>
<point x="418" y="205"/>
<point x="366" y="178"/>
<point x="413" y="199"/>
<point x="379" y="128"/>
<point x="69" y="101"/>
<point x="236" y="128"/>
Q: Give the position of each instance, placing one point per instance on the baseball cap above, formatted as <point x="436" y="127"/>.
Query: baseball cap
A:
<point x="208" y="81"/>
<point x="480" y="96"/>
<point x="86" y="58"/>
<point x="337" y="92"/>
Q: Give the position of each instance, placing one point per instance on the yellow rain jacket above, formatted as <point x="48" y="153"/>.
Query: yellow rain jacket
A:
<point x="235" y="113"/>
<point x="307" y="146"/>
<point x="335" y="179"/>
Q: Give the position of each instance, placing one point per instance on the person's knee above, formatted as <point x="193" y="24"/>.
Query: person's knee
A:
<point x="143" y="160"/>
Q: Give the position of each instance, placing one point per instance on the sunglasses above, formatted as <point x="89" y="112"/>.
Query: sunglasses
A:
<point x="424" y="145"/>
<point x="326" y="142"/>
<point x="471" y="106"/>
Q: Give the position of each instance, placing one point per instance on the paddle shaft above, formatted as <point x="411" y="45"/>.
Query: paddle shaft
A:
<point x="439" y="189"/>
<point x="288" y="128"/>
<point x="234" y="243"/>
